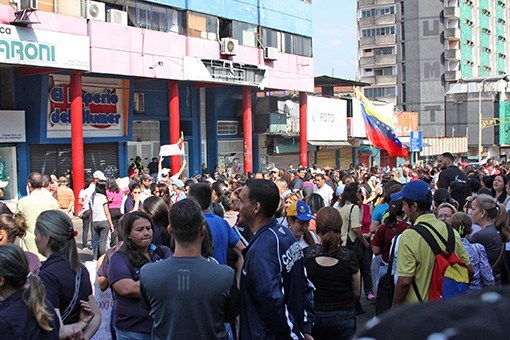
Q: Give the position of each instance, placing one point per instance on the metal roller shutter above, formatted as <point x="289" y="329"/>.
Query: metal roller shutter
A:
<point x="326" y="158"/>
<point x="345" y="158"/>
<point x="50" y="159"/>
<point x="56" y="159"/>
<point x="104" y="157"/>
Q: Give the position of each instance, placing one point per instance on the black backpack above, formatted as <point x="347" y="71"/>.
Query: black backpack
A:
<point x="386" y="285"/>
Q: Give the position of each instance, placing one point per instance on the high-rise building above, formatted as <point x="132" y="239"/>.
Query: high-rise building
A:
<point x="413" y="51"/>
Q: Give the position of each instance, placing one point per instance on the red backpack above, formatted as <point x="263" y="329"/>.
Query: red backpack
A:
<point x="450" y="276"/>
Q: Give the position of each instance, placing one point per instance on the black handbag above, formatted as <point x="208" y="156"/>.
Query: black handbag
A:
<point x="355" y="245"/>
<point x="386" y="288"/>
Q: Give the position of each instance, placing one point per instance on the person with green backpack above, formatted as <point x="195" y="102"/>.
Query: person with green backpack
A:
<point x="432" y="262"/>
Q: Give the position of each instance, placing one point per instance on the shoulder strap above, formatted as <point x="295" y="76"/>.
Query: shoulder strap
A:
<point x="350" y="222"/>
<point x="427" y="236"/>
<point x="450" y="242"/>
<point x="70" y="308"/>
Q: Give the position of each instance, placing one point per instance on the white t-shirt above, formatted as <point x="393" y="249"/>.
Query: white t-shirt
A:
<point x="326" y="193"/>
<point x="98" y="204"/>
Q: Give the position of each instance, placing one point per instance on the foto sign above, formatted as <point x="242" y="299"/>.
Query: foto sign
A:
<point x="29" y="46"/>
<point x="326" y="119"/>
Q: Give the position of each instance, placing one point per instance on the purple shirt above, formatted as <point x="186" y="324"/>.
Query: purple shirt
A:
<point x="60" y="282"/>
<point x="129" y="314"/>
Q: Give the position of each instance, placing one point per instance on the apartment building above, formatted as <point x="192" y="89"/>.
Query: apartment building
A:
<point x="413" y="51"/>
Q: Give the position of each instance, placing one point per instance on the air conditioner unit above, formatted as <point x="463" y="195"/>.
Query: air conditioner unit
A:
<point x="229" y="46"/>
<point x="27" y="5"/>
<point x="117" y="17"/>
<point x="270" y="53"/>
<point x="95" y="10"/>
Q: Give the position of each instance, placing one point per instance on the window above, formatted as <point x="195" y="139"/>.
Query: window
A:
<point x="302" y="45"/>
<point x="245" y="33"/>
<point x="376" y="92"/>
<point x="383" y="51"/>
<point x="385" y="71"/>
<point x="154" y="17"/>
<point x="269" y="38"/>
<point x="201" y="25"/>
<point x="372" y="32"/>
<point x="377" y="11"/>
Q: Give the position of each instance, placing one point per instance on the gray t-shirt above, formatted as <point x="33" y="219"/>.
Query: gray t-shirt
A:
<point x="189" y="298"/>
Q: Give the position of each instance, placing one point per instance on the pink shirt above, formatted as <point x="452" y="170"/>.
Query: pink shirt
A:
<point x="114" y="199"/>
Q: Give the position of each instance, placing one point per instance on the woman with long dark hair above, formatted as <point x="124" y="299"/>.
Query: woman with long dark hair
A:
<point x="131" y="320"/>
<point x="381" y="242"/>
<point x="24" y="312"/>
<point x="133" y="200"/>
<point x="334" y="272"/>
<point x="158" y="211"/>
<point x="352" y="236"/>
<point x="101" y="219"/>
<point x="499" y="188"/>
<point x="66" y="280"/>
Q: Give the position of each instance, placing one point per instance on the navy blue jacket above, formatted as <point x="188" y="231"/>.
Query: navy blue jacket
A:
<point x="276" y="296"/>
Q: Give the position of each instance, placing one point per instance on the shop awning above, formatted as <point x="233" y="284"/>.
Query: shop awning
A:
<point x="328" y="143"/>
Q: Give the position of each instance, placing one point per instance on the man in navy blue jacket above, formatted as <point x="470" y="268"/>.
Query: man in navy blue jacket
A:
<point x="276" y="296"/>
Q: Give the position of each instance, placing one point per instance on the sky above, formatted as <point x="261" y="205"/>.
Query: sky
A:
<point x="334" y="38"/>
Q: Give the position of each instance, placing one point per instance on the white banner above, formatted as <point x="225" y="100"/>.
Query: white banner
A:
<point x="171" y="150"/>
<point x="326" y="119"/>
<point x="104" y="107"/>
<point x="12" y="128"/>
<point x="29" y="46"/>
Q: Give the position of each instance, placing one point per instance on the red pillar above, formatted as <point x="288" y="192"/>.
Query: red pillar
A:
<point x="248" y="131"/>
<point x="175" y="127"/>
<point x="303" y="140"/>
<point x="77" y="138"/>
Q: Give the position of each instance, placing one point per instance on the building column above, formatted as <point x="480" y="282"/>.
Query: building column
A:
<point x="174" y="119"/>
<point x="303" y="140"/>
<point x="248" y="131"/>
<point x="77" y="138"/>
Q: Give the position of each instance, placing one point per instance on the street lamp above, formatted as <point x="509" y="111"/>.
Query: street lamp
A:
<point x="482" y="81"/>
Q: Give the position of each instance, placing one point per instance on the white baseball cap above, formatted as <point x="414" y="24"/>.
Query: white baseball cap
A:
<point x="99" y="175"/>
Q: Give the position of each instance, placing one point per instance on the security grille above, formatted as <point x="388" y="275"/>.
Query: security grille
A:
<point x="227" y="128"/>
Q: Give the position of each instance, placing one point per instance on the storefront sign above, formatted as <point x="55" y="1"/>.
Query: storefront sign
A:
<point x="28" y="46"/>
<point x="104" y="107"/>
<point x="405" y="122"/>
<point x="504" y="123"/>
<point x="12" y="128"/>
<point x="326" y="119"/>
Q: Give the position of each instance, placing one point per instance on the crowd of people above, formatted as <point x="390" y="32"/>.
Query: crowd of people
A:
<point x="284" y="253"/>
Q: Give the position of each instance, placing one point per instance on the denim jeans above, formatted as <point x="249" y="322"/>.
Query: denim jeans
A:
<point x="100" y="236"/>
<point x="86" y="228"/>
<point x="127" y="335"/>
<point x="334" y="325"/>
<point x="366" y="271"/>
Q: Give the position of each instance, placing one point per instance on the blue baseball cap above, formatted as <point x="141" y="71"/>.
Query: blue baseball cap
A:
<point x="418" y="191"/>
<point x="300" y="210"/>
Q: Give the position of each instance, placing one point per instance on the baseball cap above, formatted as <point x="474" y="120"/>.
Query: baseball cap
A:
<point x="178" y="183"/>
<point x="165" y="171"/>
<point x="300" y="210"/>
<point x="99" y="175"/>
<point x="144" y="177"/>
<point x="274" y="169"/>
<point x="3" y="184"/>
<point x="418" y="191"/>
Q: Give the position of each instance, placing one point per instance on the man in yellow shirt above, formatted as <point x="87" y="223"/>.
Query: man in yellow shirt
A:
<point x="415" y="259"/>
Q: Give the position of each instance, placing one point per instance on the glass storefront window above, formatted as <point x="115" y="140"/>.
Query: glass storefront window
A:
<point x="9" y="171"/>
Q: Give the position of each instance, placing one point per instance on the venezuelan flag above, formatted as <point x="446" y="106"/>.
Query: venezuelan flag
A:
<point x="380" y="128"/>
